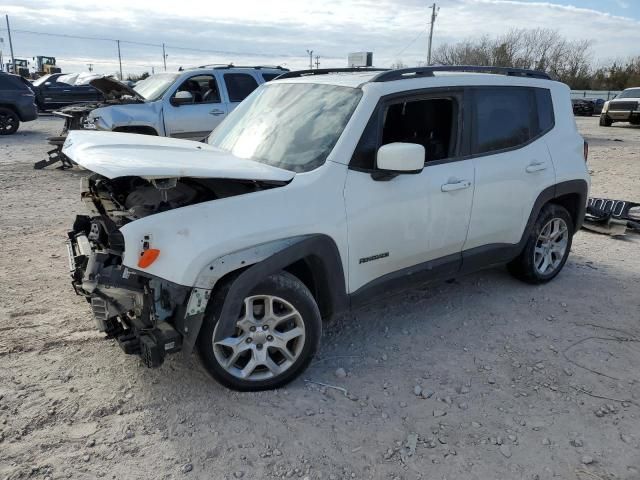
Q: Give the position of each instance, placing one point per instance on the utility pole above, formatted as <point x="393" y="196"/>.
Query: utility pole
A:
<point x="317" y="62"/>
<point x="90" y="66"/>
<point x="310" y="53"/>
<point x="119" y="58"/>
<point x="434" y="14"/>
<point x="13" y="60"/>
<point x="164" y="58"/>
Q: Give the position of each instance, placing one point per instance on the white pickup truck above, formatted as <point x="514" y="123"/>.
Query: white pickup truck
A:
<point x="185" y="104"/>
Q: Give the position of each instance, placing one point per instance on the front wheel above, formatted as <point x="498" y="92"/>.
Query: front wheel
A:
<point x="9" y="121"/>
<point x="277" y="334"/>
<point x="605" y="121"/>
<point x="547" y="247"/>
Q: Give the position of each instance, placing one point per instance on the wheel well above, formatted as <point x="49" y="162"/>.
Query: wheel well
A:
<point x="570" y="201"/>
<point x="10" y="107"/>
<point x="140" y="129"/>
<point x="314" y="279"/>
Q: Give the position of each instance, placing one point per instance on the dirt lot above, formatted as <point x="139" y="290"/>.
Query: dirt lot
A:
<point x="482" y="378"/>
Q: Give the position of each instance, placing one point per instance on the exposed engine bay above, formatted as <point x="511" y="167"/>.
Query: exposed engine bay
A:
<point x="145" y="314"/>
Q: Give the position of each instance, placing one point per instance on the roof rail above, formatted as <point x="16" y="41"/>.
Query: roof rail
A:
<point x="325" y="71"/>
<point x="223" y="66"/>
<point x="405" y="73"/>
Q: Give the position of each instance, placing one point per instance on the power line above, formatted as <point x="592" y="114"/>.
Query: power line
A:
<point x="411" y="42"/>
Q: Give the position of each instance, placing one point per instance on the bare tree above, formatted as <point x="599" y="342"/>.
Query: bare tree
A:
<point x="540" y="48"/>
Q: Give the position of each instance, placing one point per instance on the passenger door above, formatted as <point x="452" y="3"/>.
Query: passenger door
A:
<point x="512" y="162"/>
<point x="239" y="86"/>
<point x="409" y="225"/>
<point x="197" y="119"/>
<point x="56" y="93"/>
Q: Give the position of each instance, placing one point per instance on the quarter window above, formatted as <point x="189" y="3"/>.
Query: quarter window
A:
<point x="239" y="85"/>
<point x="502" y="118"/>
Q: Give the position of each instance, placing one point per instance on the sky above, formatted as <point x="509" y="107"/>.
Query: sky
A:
<point x="279" y="32"/>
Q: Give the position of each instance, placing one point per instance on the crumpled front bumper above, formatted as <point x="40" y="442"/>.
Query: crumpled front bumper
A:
<point x="137" y="310"/>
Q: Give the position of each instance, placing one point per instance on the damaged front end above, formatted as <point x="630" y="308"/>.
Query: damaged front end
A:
<point x="137" y="309"/>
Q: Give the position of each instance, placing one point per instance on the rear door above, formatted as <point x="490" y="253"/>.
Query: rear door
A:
<point x="239" y="86"/>
<point x="511" y="159"/>
<point x="195" y="120"/>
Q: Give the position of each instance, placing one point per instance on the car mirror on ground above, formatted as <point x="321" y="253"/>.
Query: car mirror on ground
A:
<point x="182" y="98"/>
<point x="401" y="157"/>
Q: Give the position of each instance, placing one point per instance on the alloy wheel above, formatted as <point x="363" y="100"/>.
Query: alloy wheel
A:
<point x="551" y="246"/>
<point x="269" y="338"/>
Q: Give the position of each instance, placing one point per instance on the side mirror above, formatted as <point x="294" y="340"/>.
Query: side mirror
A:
<point x="47" y="84"/>
<point x="401" y="157"/>
<point x="181" y="98"/>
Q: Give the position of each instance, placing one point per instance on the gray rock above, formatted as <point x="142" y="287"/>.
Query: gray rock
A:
<point x="439" y="413"/>
<point x="340" y="373"/>
<point x="238" y="474"/>
<point x="505" y="450"/>
<point x="464" y="389"/>
<point x="417" y="390"/>
<point x="576" y="442"/>
<point x="427" y="393"/>
<point x="546" y="441"/>
<point x="463" y="406"/>
<point x="586" y="459"/>
<point x="186" y="468"/>
<point x="491" y="380"/>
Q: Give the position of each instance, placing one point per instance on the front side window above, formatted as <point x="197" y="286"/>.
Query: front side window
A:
<point x="288" y="125"/>
<point x="239" y="86"/>
<point x="203" y="89"/>
<point x="502" y="118"/>
<point x="430" y="122"/>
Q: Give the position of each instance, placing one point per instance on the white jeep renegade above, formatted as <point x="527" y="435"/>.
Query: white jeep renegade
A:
<point x="322" y="189"/>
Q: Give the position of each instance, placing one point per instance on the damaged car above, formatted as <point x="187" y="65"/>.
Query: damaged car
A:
<point x="323" y="190"/>
<point x="624" y="108"/>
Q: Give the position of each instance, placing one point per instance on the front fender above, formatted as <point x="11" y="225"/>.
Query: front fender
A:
<point x="321" y="249"/>
<point x="133" y="114"/>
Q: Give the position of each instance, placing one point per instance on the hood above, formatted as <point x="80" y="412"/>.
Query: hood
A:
<point x="113" y="89"/>
<point x="114" y="155"/>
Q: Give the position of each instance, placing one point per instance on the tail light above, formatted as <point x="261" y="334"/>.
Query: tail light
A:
<point x="585" y="150"/>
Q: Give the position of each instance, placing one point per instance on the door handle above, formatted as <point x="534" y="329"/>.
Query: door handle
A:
<point x="536" y="167"/>
<point x="452" y="187"/>
<point x="216" y="112"/>
<point x="66" y="90"/>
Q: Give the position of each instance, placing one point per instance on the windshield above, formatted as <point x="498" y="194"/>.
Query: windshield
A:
<point x="152" y="88"/>
<point x="288" y="125"/>
<point x="630" y="93"/>
<point x="41" y="80"/>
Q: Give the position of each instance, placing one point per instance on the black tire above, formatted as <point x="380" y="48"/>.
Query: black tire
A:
<point x="605" y="121"/>
<point x="523" y="267"/>
<point x="284" y="286"/>
<point x="9" y="121"/>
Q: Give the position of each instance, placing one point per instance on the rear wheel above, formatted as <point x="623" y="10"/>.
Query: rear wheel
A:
<point x="9" y="121"/>
<point x="547" y="247"/>
<point x="276" y="335"/>
<point x="605" y="121"/>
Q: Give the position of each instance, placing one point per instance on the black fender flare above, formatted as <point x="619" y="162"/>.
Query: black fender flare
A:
<point x="319" y="248"/>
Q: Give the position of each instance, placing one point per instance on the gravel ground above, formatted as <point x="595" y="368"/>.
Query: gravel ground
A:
<point x="480" y="378"/>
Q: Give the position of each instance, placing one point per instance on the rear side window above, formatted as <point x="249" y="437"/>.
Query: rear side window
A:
<point x="10" y="82"/>
<point x="503" y="118"/>
<point x="239" y="85"/>
<point x="270" y="76"/>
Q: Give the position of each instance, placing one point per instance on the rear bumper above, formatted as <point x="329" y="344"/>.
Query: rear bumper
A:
<point x="27" y="111"/>
<point x="137" y="310"/>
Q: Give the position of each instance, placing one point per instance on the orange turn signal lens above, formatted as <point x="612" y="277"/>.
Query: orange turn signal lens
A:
<point x="148" y="257"/>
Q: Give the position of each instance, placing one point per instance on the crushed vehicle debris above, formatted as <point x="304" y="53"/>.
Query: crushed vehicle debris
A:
<point x="612" y="217"/>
